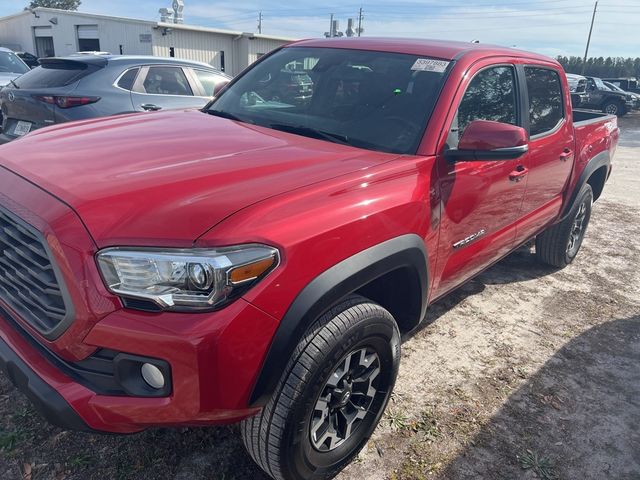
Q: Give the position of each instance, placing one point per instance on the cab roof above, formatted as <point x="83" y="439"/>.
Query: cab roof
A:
<point x="441" y="49"/>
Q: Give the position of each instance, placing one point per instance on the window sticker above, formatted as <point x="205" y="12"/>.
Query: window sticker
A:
<point x="429" y="65"/>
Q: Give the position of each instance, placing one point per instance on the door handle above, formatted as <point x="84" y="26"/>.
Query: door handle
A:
<point x="518" y="174"/>
<point x="566" y="154"/>
<point x="150" y="107"/>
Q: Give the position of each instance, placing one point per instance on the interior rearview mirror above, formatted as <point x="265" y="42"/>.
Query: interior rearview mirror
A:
<point x="488" y="140"/>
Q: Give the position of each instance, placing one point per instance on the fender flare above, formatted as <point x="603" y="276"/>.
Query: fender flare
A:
<point x="602" y="159"/>
<point x="328" y="288"/>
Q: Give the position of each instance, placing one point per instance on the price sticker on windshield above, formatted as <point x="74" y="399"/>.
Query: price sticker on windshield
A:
<point x="429" y="65"/>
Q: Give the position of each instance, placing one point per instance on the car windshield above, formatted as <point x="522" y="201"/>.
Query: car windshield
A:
<point x="600" y="84"/>
<point x="375" y="100"/>
<point x="613" y="87"/>
<point x="11" y="63"/>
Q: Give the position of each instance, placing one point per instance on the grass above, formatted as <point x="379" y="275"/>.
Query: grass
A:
<point x="541" y="466"/>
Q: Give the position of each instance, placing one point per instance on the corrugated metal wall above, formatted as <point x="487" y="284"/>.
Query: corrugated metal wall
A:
<point x="199" y="46"/>
<point x="260" y="46"/>
<point x="16" y="33"/>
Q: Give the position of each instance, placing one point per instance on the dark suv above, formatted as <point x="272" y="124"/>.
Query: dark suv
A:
<point x="88" y="86"/>
<point x="600" y="97"/>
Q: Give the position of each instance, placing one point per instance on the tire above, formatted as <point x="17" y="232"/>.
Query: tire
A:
<point x="613" y="107"/>
<point x="559" y="244"/>
<point x="279" y="438"/>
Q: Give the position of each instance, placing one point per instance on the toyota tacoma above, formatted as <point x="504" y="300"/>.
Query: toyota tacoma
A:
<point x="259" y="260"/>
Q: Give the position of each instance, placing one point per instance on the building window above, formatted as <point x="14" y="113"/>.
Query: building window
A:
<point x="222" y="60"/>
<point x="88" y="40"/>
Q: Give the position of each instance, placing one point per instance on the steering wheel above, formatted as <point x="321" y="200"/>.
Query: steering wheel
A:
<point x="407" y="131"/>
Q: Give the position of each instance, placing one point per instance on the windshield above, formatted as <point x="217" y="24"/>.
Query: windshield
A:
<point x="11" y="63"/>
<point x="376" y="100"/>
<point x="613" y="87"/>
<point x="600" y="84"/>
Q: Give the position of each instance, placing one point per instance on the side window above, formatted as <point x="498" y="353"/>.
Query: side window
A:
<point x="209" y="80"/>
<point x="491" y="95"/>
<point x="545" y="99"/>
<point x="166" y="81"/>
<point x="128" y="79"/>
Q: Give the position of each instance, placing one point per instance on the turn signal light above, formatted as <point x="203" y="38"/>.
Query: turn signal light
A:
<point x="250" y="271"/>
<point x="66" y="101"/>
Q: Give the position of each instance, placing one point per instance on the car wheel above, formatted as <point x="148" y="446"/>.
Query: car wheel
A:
<point x="560" y="243"/>
<point x="614" y="108"/>
<point x="331" y="395"/>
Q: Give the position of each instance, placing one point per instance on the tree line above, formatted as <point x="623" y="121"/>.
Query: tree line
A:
<point x="610" y="67"/>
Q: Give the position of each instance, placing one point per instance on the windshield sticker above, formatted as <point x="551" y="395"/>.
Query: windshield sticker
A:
<point x="429" y="65"/>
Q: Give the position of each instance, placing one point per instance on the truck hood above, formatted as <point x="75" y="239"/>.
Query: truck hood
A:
<point x="165" y="178"/>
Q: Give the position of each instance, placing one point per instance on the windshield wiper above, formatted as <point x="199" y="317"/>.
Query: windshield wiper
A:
<point x="14" y="84"/>
<point x="311" y="132"/>
<point x="223" y="114"/>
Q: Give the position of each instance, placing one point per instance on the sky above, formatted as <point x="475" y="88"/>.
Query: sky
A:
<point x="550" y="27"/>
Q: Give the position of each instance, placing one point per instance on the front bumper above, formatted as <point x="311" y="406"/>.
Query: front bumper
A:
<point x="214" y="360"/>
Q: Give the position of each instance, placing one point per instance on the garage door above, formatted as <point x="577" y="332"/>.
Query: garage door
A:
<point x="89" y="32"/>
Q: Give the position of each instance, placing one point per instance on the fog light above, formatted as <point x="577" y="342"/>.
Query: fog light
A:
<point x="152" y="375"/>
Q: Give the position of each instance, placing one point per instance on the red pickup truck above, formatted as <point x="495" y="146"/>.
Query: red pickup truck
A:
<point x="259" y="260"/>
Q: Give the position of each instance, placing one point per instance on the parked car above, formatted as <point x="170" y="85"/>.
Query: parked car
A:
<point x="11" y="66"/>
<point x="616" y="88"/>
<point x="30" y="59"/>
<point x="578" y="89"/>
<point x="88" y="86"/>
<point x="259" y="261"/>
<point x="600" y="97"/>
<point x="627" y="84"/>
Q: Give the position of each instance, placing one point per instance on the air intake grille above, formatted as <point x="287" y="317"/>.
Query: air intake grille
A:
<point x="28" y="281"/>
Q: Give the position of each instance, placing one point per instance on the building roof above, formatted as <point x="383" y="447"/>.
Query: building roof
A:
<point x="177" y="26"/>
<point x="443" y="49"/>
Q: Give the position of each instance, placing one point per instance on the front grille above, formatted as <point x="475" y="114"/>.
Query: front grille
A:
<point x="28" y="281"/>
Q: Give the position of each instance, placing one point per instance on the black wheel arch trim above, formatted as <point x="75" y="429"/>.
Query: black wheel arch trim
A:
<point x="328" y="288"/>
<point x="602" y="159"/>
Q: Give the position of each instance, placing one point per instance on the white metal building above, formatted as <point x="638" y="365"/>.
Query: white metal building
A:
<point x="49" y="32"/>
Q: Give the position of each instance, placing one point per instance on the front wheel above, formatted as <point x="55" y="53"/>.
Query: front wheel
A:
<point x="614" y="108"/>
<point x="330" y="396"/>
<point x="559" y="244"/>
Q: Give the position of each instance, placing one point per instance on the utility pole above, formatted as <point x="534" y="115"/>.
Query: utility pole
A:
<point x="331" y="33"/>
<point x="360" y="21"/>
<point x="586" y="50"/>
<point x="260" y="22"/>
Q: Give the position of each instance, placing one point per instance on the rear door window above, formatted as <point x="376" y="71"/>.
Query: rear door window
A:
<point x="545" y="100"/>
<point x="58" y="74"/>
<point x="166" y="81"/>
<point x="127" y="80"/>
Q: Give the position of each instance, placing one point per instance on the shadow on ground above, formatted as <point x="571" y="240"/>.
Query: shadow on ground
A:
<point x="578" y="417"/>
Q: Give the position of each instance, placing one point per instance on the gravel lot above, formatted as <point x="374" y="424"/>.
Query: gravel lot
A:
<point x="525" y="372"/>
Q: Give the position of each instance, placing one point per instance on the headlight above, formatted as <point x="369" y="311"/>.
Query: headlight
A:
<point x="185" y="279"/>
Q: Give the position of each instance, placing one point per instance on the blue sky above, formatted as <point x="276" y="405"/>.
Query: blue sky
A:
<point x="550" y="27"/>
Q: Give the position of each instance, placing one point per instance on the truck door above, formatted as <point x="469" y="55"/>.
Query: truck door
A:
<point x="551" y="148"/>
<point x="594" y="94"/>
<point x="481" y="199"/>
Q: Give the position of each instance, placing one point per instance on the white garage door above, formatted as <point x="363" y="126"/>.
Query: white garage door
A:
<point x="87" y="31"/>
<point x="42" y="31"/>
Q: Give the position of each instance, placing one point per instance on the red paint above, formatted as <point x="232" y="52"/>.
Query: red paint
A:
<point x="488" y="135"/>
<point x="184" y="178"/>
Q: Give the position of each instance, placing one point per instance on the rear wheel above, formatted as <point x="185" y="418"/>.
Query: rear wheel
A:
<point x="560" y="243"/>
<point x="331" y="395"/>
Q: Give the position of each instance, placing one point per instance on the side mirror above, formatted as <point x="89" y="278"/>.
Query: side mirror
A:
<point x="487" y="140"/>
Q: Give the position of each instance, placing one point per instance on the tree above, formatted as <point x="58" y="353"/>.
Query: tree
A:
<point x="59" y="4"/>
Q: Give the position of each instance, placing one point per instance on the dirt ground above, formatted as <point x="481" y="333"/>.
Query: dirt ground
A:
<point x="523" y="373"/>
